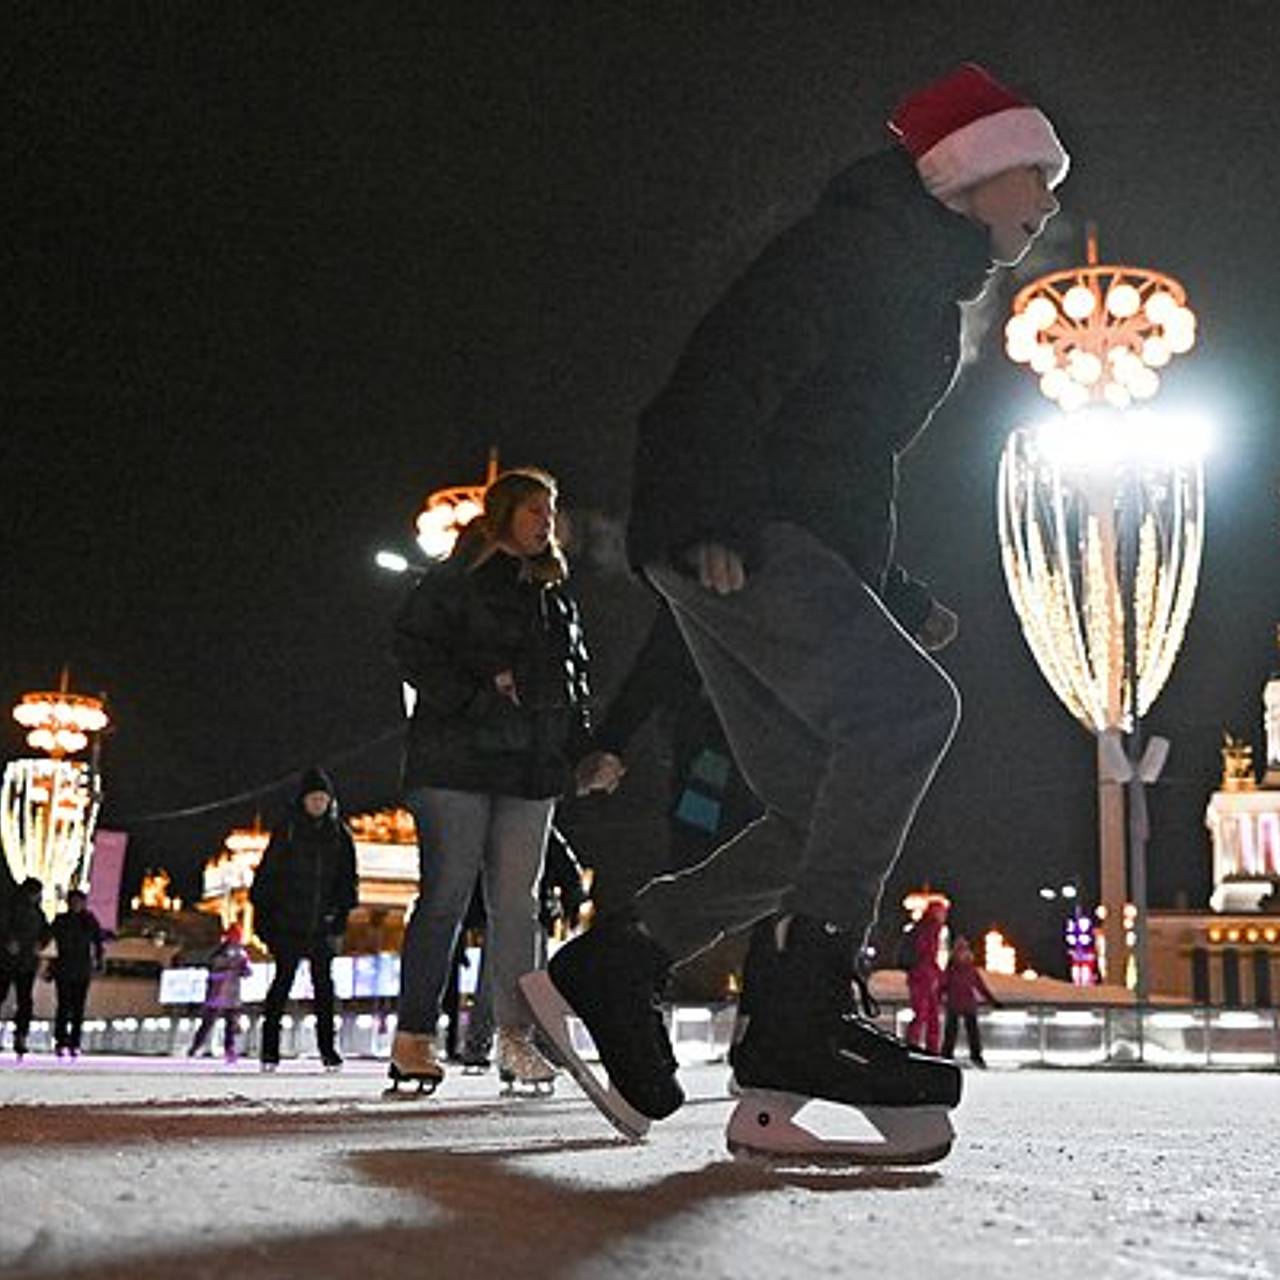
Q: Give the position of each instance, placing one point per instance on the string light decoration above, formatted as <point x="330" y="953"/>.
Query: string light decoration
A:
<point x="1060" y="510"/>
<point x="49" y="805"/>
<point x="1097" y="334"/>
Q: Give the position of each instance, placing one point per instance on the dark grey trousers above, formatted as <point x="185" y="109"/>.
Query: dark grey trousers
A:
<point x="838" y="721"/>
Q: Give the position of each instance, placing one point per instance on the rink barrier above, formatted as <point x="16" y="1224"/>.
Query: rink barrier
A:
<point x="1182" y="1038"/>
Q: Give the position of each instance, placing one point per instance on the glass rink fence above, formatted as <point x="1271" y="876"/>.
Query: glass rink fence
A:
<point x="1183" y="1038"/>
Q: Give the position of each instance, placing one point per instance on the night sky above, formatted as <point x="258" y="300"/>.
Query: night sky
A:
<point x="275" y="273"/>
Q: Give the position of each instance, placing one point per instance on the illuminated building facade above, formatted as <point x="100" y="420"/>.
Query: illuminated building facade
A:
<point x="1230" y="954"/>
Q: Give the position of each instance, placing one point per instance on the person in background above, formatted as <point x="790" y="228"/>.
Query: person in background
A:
<point x="491" y="641"/>
<point x="304" y="889"/>
<point x="79" y="941"/>
<point x="963" y="989"/>
<point x="23" y="931"/>
<point x="924" y="979"/>
<point x="227" y="966"/>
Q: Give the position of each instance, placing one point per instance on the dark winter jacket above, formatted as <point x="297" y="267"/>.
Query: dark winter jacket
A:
<point x="23" y="931"/>
<point x="78" y="937"/>
<point x="459" y="629"/>
<point x="305" y="886"/>
<point x="801" y="387"/>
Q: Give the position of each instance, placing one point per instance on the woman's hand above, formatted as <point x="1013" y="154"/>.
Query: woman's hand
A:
<point x="599" y="771"/>
<point x="505" y="683"/>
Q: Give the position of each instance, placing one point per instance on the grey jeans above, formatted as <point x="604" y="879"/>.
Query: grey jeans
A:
<point x="838" y="721"/>
<point x="462" y="834"/>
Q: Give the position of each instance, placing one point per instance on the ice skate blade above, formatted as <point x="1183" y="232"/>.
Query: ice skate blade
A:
<point x="763" y="1127"/>
<point x="528" y="1088"/>
<point x="427" y="1084"/>
<point x="552" y="1013"/>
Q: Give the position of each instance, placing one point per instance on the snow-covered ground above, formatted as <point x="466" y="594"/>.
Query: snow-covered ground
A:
<point x="141" y="1169"/>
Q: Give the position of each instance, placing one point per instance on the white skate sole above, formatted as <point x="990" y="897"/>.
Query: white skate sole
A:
<point x="514" y="1087"/>
<point x="764" y="1126"/>
<point x="552" y="1013"/>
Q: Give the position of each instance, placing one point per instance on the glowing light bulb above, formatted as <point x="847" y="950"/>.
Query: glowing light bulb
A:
<point x="1117" y="395"/>
<point x="1043" y="358"/>
<point x="1052" y="383"/>
<point x="1041" y="312"/>
<point x="1156" y="351"/>
<point x="1079" y="301"/>
<point x="1123" y="301"/>
<point x="1180" y="330"/>
<point x="1085" y="368"/>
<point x="1160" y="306"/>
<point x="1144" y="383"/>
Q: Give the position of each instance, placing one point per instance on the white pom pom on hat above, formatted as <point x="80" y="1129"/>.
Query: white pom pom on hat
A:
<point x="967" y="127"/>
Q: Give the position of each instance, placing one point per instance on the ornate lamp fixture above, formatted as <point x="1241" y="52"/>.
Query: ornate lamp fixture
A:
<point x="49" y="805"/>
<point x="1097" y="334"/>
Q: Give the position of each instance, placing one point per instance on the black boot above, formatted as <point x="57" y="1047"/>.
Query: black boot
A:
<point x="801" y="1032"/>
<point x="613" y="977"/>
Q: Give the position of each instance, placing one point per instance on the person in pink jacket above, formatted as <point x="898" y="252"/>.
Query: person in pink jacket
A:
<point x="924" y="979"/>
<point x="963" y="989"/>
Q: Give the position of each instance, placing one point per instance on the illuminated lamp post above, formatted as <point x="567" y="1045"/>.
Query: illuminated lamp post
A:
<point x="49" y="804"/>
<point x="1101" y="522"/>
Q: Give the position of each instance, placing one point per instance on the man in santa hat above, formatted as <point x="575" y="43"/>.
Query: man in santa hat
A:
<point x="763" y="513"/>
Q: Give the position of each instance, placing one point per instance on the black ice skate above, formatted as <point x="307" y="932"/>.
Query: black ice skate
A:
<point x="801" y="1041"/>
<point x="413" y="1061"/>
<point x="612" y="979"/>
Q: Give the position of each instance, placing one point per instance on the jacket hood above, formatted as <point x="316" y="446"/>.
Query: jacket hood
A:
<point x="316" y="779"/>
<point x="953" y="252"/>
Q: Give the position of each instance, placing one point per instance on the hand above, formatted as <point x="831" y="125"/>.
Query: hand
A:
<point x="719" y="568"/>
<point x="599" y="771"/>
<point x="939" y="629"/>
<point x="505" y="683"/>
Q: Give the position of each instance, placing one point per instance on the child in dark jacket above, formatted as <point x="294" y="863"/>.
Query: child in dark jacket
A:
<point x="963" y="989"/>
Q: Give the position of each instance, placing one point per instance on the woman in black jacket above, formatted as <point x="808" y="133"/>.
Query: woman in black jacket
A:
<point x="492" y="645"/>
<point x="303" y="891"/>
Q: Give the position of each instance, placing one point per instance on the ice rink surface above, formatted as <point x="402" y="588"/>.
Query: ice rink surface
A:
<point x="163" y="1168"/>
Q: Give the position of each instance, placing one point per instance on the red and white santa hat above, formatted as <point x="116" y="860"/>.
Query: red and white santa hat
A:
<point x="968" y="126"/>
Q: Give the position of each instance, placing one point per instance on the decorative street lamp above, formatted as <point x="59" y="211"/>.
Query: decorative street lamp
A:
<point x="49" y="805"/>
<point x="1101" y="522"/>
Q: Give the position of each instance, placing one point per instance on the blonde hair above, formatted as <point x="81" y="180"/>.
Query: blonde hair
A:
<point x="486" y="534"/>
